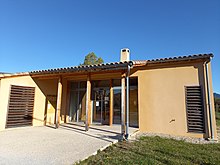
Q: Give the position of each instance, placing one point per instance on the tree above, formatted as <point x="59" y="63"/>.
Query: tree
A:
<point x="92" y="59"/>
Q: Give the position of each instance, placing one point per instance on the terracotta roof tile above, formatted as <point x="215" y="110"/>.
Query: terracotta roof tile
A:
<point x="122" y="65"/>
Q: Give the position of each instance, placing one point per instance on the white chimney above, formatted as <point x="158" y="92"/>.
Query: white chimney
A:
<point x="125" y="55"/>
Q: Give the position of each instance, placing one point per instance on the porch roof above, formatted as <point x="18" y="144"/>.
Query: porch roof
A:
<point x="86" y="68"/>
<point x="122" y="65"/>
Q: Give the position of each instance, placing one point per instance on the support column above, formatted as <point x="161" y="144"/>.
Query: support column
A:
<point x="59" y="99"/>
<point x="111" y="103"/>
<point x="127" y="102"/>
<point x="88" y="103"/>
<point x="123" y="107"/>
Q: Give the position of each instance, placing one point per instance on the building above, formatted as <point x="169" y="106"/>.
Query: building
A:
<point x="170" y="96"/>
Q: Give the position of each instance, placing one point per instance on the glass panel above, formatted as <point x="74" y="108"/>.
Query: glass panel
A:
<point x="117" y="101"/>
<point x="133" y="81"/>
<point x="101" y="106"/>
<point x="74" y="85"/>
<point x="100" y="97"/>
<point x="116" y="82"/>
<point x="133" y="102"/>
<point x="83" y="84"/>
<point x="77" y="102"/>
<point x="117" y="105"/>
<point x="73" y="106"/>
<point x="133" y="113"/>
<point x="101" y="83"/>
<point x="82" y="106"/>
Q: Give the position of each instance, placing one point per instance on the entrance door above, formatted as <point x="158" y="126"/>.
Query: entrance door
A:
<point x="101" y="106"/>
<point x="77" y="111"/>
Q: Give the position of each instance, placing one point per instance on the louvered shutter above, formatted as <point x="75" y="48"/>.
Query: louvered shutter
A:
<point x="194" y="109"/>
<point x="21" y="105"/>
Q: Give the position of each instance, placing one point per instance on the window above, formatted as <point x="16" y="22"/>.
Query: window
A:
<point x="194" y="109"/>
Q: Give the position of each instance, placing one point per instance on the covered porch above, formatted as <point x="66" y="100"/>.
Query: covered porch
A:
<point x="89" y="96"/>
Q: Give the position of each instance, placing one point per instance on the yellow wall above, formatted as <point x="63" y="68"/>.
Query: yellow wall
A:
<point x="161" y="97"/>
<point x="43" y="88"/>
<point x="49" y="89"/>
<point x="39" y="104"/>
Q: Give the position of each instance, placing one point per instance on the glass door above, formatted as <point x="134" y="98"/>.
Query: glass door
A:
<point x="101" y="106"/>
<point x="117" y="105"/>
<point x="77" y="111"/>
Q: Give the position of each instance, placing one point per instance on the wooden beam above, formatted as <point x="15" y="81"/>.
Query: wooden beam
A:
<point x="59" y="98"/>
<point x="88" y="103"/>
<point x="111" y="103"/>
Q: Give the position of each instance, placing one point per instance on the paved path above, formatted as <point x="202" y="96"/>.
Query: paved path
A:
<point x="45" y="145"/>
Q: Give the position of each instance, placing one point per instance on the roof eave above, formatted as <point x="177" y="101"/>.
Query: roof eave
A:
<point x="85" y="69"/>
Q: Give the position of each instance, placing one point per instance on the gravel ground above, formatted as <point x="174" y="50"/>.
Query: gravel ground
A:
<point x="186" y="139"/>
<point x="44" y="145"/>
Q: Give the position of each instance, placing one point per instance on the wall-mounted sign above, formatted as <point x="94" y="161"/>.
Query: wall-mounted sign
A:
<point x="97" y="103"/>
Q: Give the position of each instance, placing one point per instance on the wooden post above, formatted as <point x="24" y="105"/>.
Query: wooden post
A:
<point x="123" y="105"/>
<point x="88" y="103"/>
<point x="111" y="103"/>
<point x="67" y="102"/>
<point x="59" y="99"/>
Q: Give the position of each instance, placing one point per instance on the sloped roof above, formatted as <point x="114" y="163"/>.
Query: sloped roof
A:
<point x="81" y="68"/>
<point x="173" y="59"/>
<point x="121" y="65"/>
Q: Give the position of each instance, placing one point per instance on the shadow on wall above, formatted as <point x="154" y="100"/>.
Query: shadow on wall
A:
<point x="49" y="88"/>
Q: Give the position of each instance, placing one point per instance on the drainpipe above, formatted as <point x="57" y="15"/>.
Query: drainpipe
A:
<point x="127" y="102"/>
<point x="209" y="99"/>
<point x="123" y="107"/>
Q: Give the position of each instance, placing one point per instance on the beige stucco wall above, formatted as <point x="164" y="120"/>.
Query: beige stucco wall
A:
<point x="161" y="97"/>
<point x="49" y="89"/>
<point x="39" y="104"/>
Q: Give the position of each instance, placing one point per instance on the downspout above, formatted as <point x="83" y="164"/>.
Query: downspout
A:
<point x="123" y="107"/>
<point x="209" y="99"/>
<point x="127" y="102"/>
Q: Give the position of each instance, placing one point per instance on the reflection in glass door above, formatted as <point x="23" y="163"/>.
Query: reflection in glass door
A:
<point x="133" y="102"/>
<point x="101" y="106"/>
<point x="77" y="111"/>
<point x="117" y="105"/>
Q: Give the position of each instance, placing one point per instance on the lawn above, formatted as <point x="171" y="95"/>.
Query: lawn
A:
<point x="157" y="150"/>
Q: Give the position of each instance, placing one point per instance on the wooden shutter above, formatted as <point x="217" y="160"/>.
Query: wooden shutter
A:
<point x="194" y="109"/>
<point x="21" y="105"/>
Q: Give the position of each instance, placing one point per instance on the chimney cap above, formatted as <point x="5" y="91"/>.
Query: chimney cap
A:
<point x="125" y="55"/>
<point x="125" y="50"/>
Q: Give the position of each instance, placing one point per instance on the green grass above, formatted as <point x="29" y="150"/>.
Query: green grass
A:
<point x="156" y="150"/>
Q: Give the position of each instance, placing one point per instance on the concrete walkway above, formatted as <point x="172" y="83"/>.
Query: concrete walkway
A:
<point x="45" y="145"/>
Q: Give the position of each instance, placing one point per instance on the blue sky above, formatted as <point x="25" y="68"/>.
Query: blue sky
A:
<point x="42" y="34"/>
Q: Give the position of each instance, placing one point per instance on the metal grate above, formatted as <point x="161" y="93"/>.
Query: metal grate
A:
<point x="21" y="105"/>
<point x="194" y="109"/>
